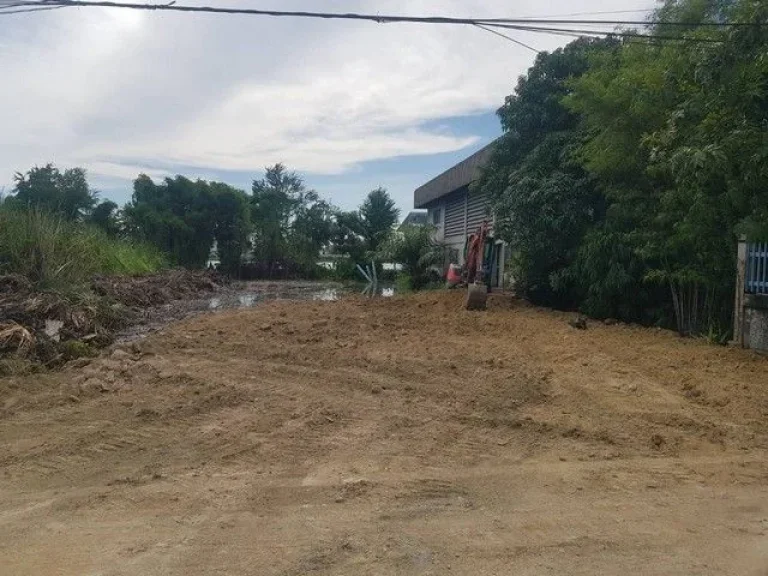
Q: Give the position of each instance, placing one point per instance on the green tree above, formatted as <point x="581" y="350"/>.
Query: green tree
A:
<point x="290" y="222"/>
<point x="627" y="168"/>
<point x="544" y="201"/>
<point x="676" y="140"/>
<point x="63" y="193"/>
<point x="415" y="249"/>
<point x="274" y="202"/>
<point x="347" y="235"/>
<point x="176" y="216"/>
<point x="105" y="216"/>
<point x="311" y="229"/>
<point x="347" y="241"/>
<point x="232" y="225"/>
<point x="378" y="215"/>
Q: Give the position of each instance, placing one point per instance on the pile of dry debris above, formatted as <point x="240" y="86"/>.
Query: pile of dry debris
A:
<point x="48" y="328"/>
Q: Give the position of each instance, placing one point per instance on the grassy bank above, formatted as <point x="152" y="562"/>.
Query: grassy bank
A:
<point x="53" y="253"/>
<point x="47" y="266"/>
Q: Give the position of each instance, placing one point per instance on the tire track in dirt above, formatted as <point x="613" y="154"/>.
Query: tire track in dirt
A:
<point x="402" y="436"/>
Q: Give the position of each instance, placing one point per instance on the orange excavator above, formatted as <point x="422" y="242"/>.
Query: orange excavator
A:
<point x="477" y="288"/>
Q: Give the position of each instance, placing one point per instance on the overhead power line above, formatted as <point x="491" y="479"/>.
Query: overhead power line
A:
<point x="540" y="25"/>
<point x="379" y="18"/>
<point x="518" y="42"/>
<point x="598" y="13"/>
<point x="12" y="10"/>
<point x="600" y="33"/>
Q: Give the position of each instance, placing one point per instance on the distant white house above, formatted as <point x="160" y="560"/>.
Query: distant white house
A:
<point x="415" y="218"/>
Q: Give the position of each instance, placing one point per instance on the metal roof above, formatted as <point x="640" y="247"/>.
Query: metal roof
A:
<point x="452" y="179"/>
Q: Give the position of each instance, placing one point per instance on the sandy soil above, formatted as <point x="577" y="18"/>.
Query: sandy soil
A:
<point x="401" y="436"/>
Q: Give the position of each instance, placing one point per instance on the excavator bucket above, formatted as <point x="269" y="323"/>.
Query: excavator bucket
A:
<point x="477" y="297"/>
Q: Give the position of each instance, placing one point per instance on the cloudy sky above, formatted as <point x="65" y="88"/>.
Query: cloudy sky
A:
<point x="350" y="105"/>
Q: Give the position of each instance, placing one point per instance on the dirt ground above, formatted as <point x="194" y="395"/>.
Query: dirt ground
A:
<point x="399" y="436"/>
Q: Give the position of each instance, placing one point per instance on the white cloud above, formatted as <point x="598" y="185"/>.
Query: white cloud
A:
<point x="121" y="92"/>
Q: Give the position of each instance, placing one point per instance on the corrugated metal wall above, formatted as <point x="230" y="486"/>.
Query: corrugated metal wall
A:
<point x="455" y="211"/>
<point x="464" y="212"/>
<point x="478" y="209"/>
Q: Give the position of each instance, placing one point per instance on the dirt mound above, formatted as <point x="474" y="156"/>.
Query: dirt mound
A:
<point x="388" y="436"/>
<point x="157" y="289"/>
<point x="49" y="327"/>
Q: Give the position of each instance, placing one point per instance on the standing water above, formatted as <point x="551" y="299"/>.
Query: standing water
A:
<point x="236" y="296"/>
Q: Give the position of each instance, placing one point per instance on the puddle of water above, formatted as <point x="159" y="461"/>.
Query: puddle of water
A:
<point x="251" y="299"/>
<point x="329" y="295"/>
<point x="247" y="300"/>
<point x="244" y="296"/>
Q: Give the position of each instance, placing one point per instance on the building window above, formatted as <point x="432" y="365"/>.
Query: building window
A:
<point x="436" y="213"/>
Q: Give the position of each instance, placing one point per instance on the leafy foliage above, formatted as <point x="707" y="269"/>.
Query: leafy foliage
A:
<point x="46" y="188"/>
<point x="53" y="252"/>
<point x="105" y="216"/>
<point x="543" y="199"/>
<point x="414" y="248"/>
<point x="677" y="139"/>
<point x="279" y="230"/>
<point x="175" y="216"/>
<point x="232" y="225"/>
<point x="275" y="200"/>
<point x="183" y="218"/>
<point x="347" y="235"/>
<point x="627" y="169"/>
<point x="378" y="215"/>
<point x="360" y="234"/>
<point x="310" y="230"/>
<point x="290" y="222"/>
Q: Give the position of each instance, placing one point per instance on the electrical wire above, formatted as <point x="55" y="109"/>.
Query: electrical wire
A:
<point x="518" y="42"/>
<point x="601" y="33"/>
<point x="381" y="19"/>
<point x="602" y="12"/>
<point x="628" y="39"/>
<point x="616" y="22"/>
<point x="492" y="25"/>
<point x="27" y="10"/>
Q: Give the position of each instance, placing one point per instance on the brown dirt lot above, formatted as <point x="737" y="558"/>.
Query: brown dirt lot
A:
<point x="401" y="436"/>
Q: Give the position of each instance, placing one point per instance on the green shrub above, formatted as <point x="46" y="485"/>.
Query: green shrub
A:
<point x="422" y="258"/>
<point x="74" y="349"/>
<point x="54" y="253"/>
<point x="345" y="269"/>
<point x="403" y="283"/>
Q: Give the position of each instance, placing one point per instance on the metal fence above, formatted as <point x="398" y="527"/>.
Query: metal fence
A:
<point x="757" y="268"/>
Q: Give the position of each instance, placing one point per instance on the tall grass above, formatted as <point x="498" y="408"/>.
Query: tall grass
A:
<point x="54" y="253"/>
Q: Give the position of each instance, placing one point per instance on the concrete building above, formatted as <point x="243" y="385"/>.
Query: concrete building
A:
<point x="456" y="212"/>
<point x="415" y="218"/>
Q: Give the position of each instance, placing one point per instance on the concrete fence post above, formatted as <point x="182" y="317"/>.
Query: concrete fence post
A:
<point x="738" y="305"/>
